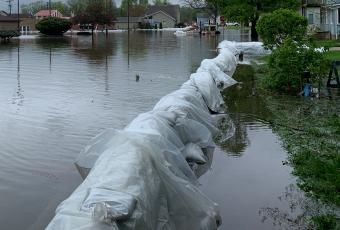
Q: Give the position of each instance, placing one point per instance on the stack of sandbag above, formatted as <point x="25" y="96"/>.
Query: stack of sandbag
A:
<point x="145" y="176"/>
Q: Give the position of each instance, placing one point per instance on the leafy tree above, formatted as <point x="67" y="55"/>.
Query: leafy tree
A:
<point x="275" y="27"/>
<point x="209" y="6"/>
<point x="246" y="11"/>
<point x="136" y="8"/>
<point x="63" y="8"/>
<point x="33" y="8"/>
<point x="94" y="11"/>
<point x="188" y="14"/>
<point x="288" y="62"/>
<point x="53" y="26"/>
<point x="77" y="6"/>
<point x="160" y="2"/>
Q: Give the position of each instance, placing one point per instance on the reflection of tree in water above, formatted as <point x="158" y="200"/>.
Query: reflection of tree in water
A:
<point x="48" y="43"/>
<point x="245" y="108"/>
<point x="95" y="48"/>
<point x="301" y="210"/>
<point x="139" y="43"/>
<point x="236" y="145"/>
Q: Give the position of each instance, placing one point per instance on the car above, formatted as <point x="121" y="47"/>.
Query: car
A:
<point x="232" y="24"/>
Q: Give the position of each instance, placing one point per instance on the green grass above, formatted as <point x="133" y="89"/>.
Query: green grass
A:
<point x="328" y="43"/>
<point x="333" y="55"/>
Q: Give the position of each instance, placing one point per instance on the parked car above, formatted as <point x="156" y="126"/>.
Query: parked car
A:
<point x="232" y="24"/>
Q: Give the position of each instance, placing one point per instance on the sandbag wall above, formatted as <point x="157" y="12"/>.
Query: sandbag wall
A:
<point x="143" y="177"/>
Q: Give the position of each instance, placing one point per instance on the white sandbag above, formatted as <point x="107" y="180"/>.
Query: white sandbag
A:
<point x="194" y="153"/>
<point x="250" y="48"/>
<point x="222" y="80"/>
<point x="139" y="178"/>
<point x="208" y="88"/>
<point x="226" y="61"/>
<point x="144" y="166"/>
<point x="191" y="131"/>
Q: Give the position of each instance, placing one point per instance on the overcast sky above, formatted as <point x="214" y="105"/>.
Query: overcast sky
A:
<point x="4" y="4"/>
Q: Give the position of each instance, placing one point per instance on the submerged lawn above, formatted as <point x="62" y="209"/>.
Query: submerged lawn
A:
<point x="310" y="132"/>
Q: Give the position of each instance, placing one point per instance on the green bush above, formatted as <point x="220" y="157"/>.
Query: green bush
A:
<point x="275" y="27"/>
<point x="288" y="62"/>
<point x="53" y="26"/>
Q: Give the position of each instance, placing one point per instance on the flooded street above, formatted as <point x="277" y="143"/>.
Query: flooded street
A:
<point x="58" y="93"/>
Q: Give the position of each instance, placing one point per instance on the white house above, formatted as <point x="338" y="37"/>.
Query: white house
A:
<point x="332" y="17"/>
<point x="167" y="15"/>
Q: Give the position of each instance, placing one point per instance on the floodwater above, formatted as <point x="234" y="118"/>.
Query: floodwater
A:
<point x="57" y="93"/>
<point x="249" y="178"/>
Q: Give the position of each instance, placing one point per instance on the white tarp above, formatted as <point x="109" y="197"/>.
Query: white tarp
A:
<point x="145" y="176"/>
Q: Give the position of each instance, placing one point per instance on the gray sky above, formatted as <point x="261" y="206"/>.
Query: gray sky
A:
<point x="4" y="4"/>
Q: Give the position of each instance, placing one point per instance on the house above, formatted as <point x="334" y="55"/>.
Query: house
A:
<point x="167" y="15"/>
<point x="47" y="13"/>
<point x="332" y="17"/>
<point x="27" y="22"/>
<point x="323" y="16"/>
<point x="311" y="9"/>
<point x="202" y="19"/>
<point x="8" y="27"/>
<point x="3" y="13"/>
<point x="122" y="23"/>
<point x="8" y="23"/>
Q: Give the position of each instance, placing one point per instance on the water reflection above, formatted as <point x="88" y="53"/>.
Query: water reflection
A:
<point x="299" y="213"/>
<point x="247" y="110"/>
<point x="19" y="97"/>
<point x="95" y="48"/>
<point x="68" y="90"/>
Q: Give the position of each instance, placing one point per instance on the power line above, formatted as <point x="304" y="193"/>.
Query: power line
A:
<point x="9" y="5"/>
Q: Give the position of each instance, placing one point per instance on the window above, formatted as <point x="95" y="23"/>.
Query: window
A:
<point x="339" y="15"/>
<point x="310" y="18"/>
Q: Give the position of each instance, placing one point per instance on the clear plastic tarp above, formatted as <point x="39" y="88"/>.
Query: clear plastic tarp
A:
<point x="145" y="176"/>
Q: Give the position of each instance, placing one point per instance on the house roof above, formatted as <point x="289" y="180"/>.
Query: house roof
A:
<point x="8" y="19"/>
<point x="125" y="19"/>
<point x="45" y="13"/>
<point x="171" y="10"/>
<point x="3" y="13"/>
<point x="21" y="15"/>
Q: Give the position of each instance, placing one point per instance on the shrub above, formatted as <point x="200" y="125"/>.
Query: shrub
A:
<point x="288" y="62"/>
<point x="53" y="26"/>
<point x="275" y="27"/>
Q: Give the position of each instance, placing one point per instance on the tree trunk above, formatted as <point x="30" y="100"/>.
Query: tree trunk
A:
<point x="253" y="33"/>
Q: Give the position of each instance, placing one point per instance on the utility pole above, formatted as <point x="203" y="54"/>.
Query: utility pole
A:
<point x="10" y="6"/>
<point x="18" y="16"/>
<point x="49" y="7"/>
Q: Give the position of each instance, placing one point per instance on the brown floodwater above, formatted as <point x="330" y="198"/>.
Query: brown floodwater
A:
<point x="58" y="93"/>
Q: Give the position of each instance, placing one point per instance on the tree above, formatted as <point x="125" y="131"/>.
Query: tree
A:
<point x="160" y="2"/>
<point x="246" y="11"/>
<point x="93" y="11"/>
<point x="34" y="7"/>
<point x="63" y="8"/>
<point x="77" y="6"/>
<point x="210" y="6"/>
<point x="136" y="8"/>
<point x="275" y="27"/>
<point x="288" y="62"/>
<point x="53" y="26"/>
<point x="188" y="14"/>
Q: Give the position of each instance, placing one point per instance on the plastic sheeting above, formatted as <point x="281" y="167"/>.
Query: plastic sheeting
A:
<point x="145" y="176"/>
